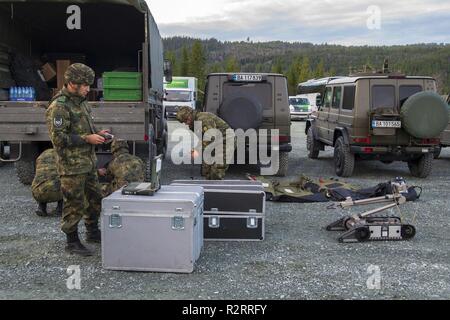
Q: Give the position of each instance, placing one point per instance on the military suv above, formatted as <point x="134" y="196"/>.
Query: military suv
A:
<point x="445" y="137"/>
<point x="377" y="116"/>
<point x="253" y="101"/>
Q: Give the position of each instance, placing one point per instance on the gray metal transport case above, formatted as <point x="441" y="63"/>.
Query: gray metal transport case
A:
<point x="234" y="210"/>
<point x="160" y="233"/>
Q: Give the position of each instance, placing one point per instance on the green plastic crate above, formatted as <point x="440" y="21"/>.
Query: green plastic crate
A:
<point x="122" y="86"/>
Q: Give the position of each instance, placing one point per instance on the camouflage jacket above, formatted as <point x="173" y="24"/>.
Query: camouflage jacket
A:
<point x="45" y="169"/>
<point x="123" y="169"/>
<point x="69" y="120"/>
<point x="210" y="121"/>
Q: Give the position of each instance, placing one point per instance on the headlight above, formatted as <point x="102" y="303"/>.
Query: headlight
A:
<point x="292" y="108"/>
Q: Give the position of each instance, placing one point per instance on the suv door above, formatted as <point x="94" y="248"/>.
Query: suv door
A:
<point x="334" y="111"/>
<point x="322" y="116"/>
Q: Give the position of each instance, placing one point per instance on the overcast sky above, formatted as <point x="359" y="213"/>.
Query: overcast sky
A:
<point x="348" y="22"/>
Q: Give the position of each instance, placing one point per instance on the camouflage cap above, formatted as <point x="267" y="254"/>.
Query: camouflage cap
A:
<point x="183" y="113"/>
<point x="79" y="73"/>
<point x="116" y="145"/>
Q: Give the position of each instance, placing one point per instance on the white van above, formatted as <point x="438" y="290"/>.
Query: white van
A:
<point x="181" y="92"/>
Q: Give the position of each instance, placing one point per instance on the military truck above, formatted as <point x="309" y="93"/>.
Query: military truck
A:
<point x="110" y="35"/>
<point x="252" y="101"/>
<point x="376" y="116"/>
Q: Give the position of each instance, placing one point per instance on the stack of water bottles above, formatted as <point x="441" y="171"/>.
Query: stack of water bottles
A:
<point x="22" y="94"/>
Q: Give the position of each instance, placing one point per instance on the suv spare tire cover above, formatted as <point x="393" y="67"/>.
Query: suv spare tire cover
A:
<point x="242" y="112"/>
<point x="425" y="115"/>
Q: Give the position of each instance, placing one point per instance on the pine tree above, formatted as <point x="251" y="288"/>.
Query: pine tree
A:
<point x="320" y="70"/>
<point x="277" y="67"/>
<point x="305" y="72"/>
<point x="198" y="64"/>
<point x="294" y="76"/>
<point x="184" y="68"/>
<point x="232" y="65"/>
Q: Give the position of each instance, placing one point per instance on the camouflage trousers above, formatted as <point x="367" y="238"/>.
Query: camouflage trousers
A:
<point x="217" y="171"/>
<point x="82" y="200"/>
<point x="48" y="191"/>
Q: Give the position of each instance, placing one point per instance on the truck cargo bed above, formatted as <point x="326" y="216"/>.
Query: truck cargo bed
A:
<point x="25" y="121"/>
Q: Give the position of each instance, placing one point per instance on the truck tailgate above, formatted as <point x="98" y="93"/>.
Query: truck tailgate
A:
<point x="26" y="121"/>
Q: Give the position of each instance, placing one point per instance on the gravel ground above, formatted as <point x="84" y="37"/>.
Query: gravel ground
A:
<point x="298" y="259"/>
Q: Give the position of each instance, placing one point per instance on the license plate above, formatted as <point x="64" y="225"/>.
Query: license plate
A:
<point x="386" y="124"/>
<point x="247" y="78"/>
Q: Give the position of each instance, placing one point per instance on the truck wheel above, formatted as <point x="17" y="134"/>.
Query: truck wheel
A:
<point x="344" y="160"/>
<point x="312" y="145"/>
<point x="283" y="164"/>
<point x="437" y="152"/>
<point x="1" y="154"/>
<point x="421" y="168"/>
<point x="162" y="147"/>
<point x="25" y="170"/>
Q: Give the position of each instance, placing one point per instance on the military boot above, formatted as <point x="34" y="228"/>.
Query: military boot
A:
<point x="93" y="234"/>
<point x="42" y="210"/>
<point x="74" y="246"/>
<point x="59" y="209"/>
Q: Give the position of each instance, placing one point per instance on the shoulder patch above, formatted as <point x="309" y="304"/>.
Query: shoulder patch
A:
<point x="58" y="121"/>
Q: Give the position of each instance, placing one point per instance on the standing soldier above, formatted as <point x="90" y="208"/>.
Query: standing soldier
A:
<point x="210" y="121"/>
<point x="46" y="186"/>
<point x="74" y="138"/>
<point x="123" y="169"/>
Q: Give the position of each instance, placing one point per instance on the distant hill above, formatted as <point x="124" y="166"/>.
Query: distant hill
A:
<point x="420" y="59"/>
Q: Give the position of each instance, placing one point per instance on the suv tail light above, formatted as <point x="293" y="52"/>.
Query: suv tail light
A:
<point x="362" y="140"/>
<point x="431" y="141"/>
<point x="281" y="139"/>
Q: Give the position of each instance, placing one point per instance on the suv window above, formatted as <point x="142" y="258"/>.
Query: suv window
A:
<point x="349" y="98"/>
<point x="383" y="97"/>
<point x="328" y="97"/>
<point x="337" y="97"/>
<point x="262" y="92"/>
<point x="408" y="91"/>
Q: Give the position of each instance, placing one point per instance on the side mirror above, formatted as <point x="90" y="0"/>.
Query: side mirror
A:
<point x="319" y="100"/>
<point x="198" y="106"/>
<point x="168" y="71"/>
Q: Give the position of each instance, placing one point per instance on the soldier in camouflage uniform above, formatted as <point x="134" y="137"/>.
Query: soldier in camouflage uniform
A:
<point x="209" y="121"/>
<point x="74" y="137"/>
<point x="46" y="186"/>
<point x="123" y="169"/>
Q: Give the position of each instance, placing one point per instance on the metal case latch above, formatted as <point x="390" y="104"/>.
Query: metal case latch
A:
<point x="115" y="221"/>
<point x="252" y="223"/>
<point x="214" y="222"/>
<point x="178" y="221"/>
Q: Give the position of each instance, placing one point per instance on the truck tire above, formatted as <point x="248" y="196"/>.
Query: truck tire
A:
<point x="162" y="147"/>
<point x="1" y="154"/>
<point x="312" y="145"/>
<point x="241" y="112"/>
<point x="283" y="164"/>
<point x="437" y="152"/>
<point x="425" y="115"/>
<point x="25" y="170"/>
<point x="344" y="160"/>
<point x="422" y="167"/>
